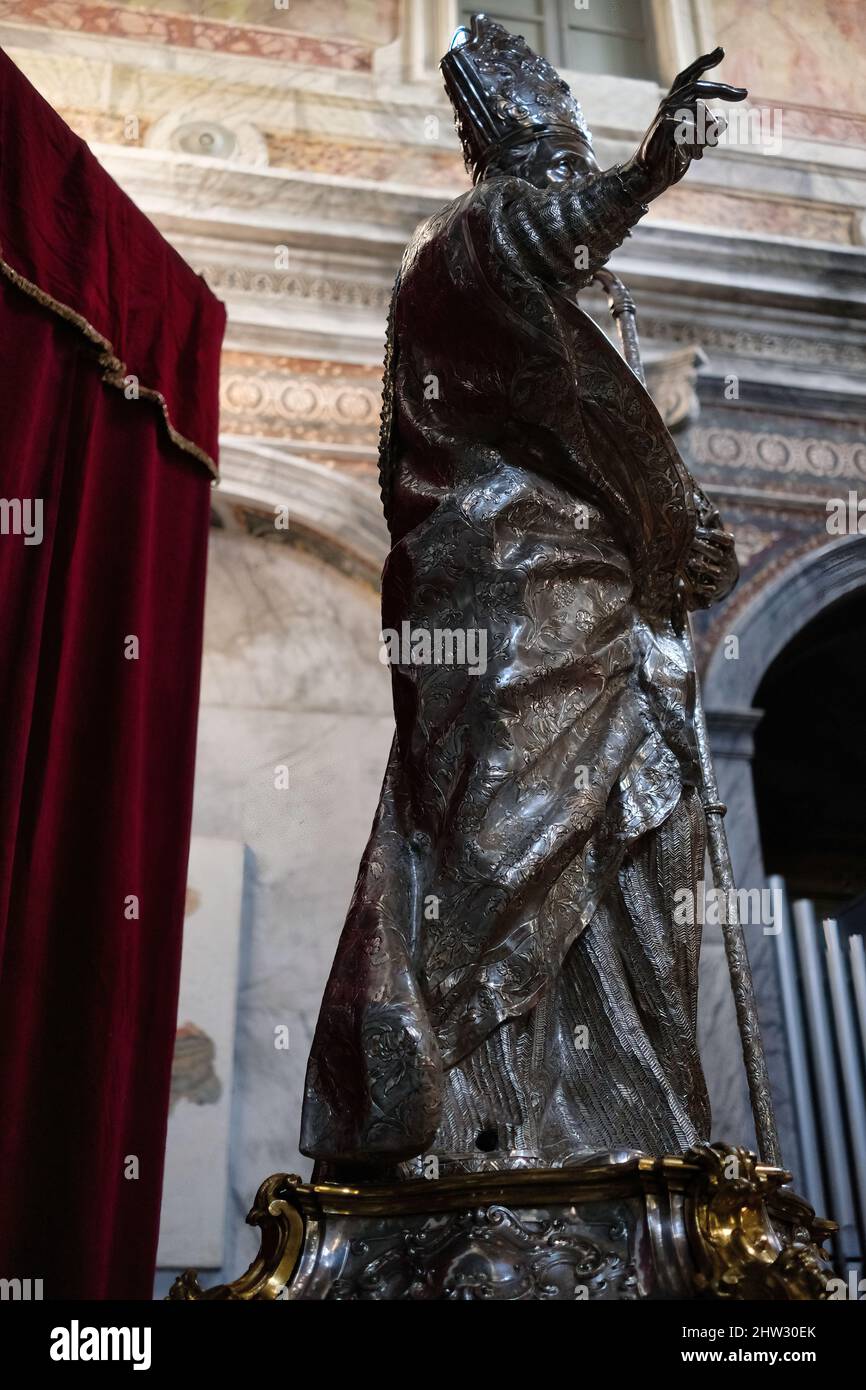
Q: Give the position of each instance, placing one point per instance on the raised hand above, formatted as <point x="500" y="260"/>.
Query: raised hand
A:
<point x="682" y="128"/>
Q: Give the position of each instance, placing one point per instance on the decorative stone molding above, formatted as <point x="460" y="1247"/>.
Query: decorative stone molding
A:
<point x="338" y="404"/>
<point x="797" y="348"/>
<point x="780" y="454"/>
<point x="334" y="509"/>
<point x="217" y="196"/>
<point x="751" y="540"/>
<point x="299" y="409"/>
<point x="732" y="732"/>
<point x="329" y="404"/>
<point x="318" y="289"/>
<point x="192" y="131"/>
<point x="672" y="382"/>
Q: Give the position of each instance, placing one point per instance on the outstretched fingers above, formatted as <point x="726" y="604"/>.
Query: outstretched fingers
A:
<point x="702" y="64"/>
<point x="706" y="91"/>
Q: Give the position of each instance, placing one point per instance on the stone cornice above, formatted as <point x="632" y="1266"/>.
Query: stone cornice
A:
<point x="264" y="205"/>
<point x="815" y="403"/>
<point x="258" y="205"/>
<point x="748" y="268"/>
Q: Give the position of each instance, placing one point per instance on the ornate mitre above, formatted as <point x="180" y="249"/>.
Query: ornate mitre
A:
<point x="504" y="94"/>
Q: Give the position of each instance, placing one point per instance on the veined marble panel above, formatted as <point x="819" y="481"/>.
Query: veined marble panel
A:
<point x="193" y="1213"/>
<point x="754" y="212"/>
<point x="317" y="33"/>
<point x="291" y="679"/>
<point x="805" y="51"/>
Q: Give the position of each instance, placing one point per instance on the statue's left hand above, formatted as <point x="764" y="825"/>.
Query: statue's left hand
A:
<point x="711" y="569"/>
<point x="682" y="129"/>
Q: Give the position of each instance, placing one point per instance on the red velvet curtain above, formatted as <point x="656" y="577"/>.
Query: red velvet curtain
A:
<point x="109" y="351"/>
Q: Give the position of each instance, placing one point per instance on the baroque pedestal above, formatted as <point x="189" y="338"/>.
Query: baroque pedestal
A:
<point x="713" y="1223"/>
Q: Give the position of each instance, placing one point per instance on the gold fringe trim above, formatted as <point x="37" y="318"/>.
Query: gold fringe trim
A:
<point x="114" y="371"/>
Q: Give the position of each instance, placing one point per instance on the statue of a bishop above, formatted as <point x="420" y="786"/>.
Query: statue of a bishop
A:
<point x="513" y="987"/>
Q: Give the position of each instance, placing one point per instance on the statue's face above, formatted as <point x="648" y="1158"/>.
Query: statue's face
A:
<point x="562" y="158"/>
<point x="550" y="162"/>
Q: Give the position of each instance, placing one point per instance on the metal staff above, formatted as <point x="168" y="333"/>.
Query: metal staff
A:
<point x="624" y="314"/>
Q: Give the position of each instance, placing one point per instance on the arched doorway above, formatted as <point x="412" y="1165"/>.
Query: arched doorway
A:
<point x="758" y="693"/>
<point x="809" y="766"/>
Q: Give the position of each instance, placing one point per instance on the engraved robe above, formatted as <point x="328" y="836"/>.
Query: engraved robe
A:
<point x="537" y="816"/>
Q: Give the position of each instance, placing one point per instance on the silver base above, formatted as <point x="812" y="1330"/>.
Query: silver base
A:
<point x="713" y="1223"/>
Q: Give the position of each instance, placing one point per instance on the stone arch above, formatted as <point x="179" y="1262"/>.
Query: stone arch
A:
<point x="807" y="587"/>
<point x="331" y="513"/>
<point x="777" y="613"/>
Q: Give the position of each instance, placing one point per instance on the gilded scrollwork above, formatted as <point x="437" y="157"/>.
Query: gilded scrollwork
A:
<point x="739" y="1252"/>
<point x="283" y="1230"/>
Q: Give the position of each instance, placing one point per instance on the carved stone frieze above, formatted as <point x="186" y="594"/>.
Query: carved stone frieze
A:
<point x="766" y="453"/>
<point x="800" y="348"/>
<point x="298" y="399"/>
<point x="319" y="289"/>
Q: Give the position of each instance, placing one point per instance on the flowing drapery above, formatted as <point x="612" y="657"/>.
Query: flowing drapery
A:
<point x="109" y="351"/>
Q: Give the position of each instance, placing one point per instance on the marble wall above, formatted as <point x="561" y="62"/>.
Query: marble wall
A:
<point x="330" y="33"/>
<point x="291" y="679"/>
<point x="373" y="20"/>
<point x="806" y="52"/>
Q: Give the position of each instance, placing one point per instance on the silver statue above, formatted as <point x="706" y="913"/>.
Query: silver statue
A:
<point x="513" y="987"/>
